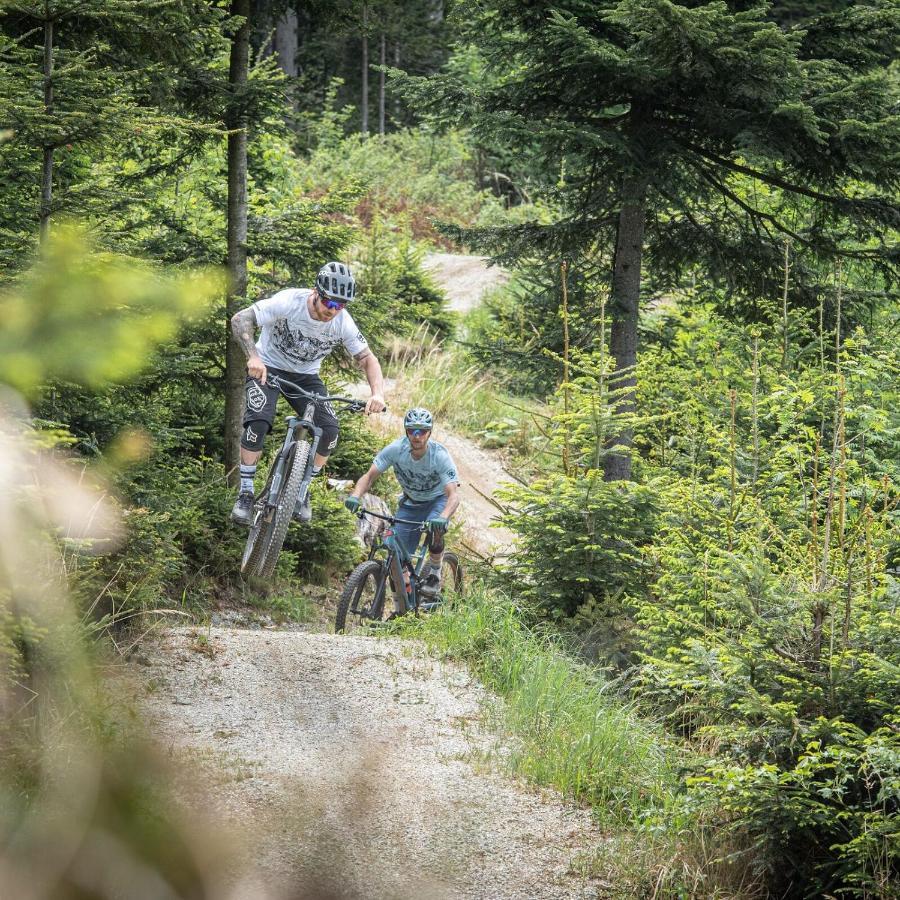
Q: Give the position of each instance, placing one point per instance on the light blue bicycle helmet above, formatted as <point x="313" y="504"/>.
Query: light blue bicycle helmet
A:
<point x="418" y="417"/>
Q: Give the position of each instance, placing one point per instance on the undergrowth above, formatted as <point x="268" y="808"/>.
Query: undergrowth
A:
<point x="573" y="732"/>
<point x="570" y="729"/>
<point x="462" y="395"/>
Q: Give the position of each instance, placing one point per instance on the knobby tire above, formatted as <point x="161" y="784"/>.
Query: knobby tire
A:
<point x="258" y="537"/>
<point x="284" y="508"/>
<point x="366" y="574"/>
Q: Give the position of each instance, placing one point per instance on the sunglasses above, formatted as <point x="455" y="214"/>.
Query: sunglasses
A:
<point x="332" y="304"/>
<point x="416" y="432"/>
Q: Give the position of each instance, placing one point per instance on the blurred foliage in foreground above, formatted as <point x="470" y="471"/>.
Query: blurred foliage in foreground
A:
<point x="91" y="317"/>
<point x="83" y="807"/>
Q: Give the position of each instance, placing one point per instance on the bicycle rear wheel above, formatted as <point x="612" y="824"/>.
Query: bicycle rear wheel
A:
<point x="362" y="601"/>
<point x="451" y="577"/>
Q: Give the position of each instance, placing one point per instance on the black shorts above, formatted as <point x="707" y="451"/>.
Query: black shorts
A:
<point x="261" y="400"/>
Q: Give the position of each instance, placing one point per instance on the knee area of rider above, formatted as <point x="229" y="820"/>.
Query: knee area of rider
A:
<point x="254" y="434"/>
<point x="328" y="440"/>
<point x="437" y="543"/>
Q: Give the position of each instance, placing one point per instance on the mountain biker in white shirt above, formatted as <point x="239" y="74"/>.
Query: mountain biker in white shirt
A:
<point x="299" y="329"/>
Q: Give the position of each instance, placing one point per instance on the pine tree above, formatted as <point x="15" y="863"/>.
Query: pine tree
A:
<point x="687" y="134"/>
<point x="86" y="81"/>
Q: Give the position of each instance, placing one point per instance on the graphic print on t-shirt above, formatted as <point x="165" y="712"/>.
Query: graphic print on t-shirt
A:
<point x="292" y="340"/>
<point x="421" y="479"/>
<point x="301" y="347"/>
<point x="417" y="482"/>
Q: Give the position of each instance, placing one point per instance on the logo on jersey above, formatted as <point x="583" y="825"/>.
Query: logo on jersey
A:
<point x="256" y="397"/>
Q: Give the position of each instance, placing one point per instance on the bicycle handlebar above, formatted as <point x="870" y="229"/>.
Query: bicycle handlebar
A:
<point x="276" y="381"/>
<point x="392" y="519"/>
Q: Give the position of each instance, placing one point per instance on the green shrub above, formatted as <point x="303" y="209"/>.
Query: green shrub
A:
<point x="356" y="448"/>
<point x="412" y="177"/>
<point x="397" y="297"/>
<point x="178" y="546"/>
<point x="833" y="812"/>
<point x="580" y="540"/>
<point x="327" y="545"/>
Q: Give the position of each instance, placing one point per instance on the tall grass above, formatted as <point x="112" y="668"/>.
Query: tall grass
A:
<point x="572" y="731"/>
<point x="439" y="377"/>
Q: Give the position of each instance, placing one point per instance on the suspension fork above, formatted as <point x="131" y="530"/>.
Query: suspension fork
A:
<point x="295" y="423"/>
<point x="396" y="565"/>
<point x="315" y="434"/>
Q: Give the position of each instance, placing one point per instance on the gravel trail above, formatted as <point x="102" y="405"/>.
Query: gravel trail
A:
<point x="357" y="765"/>
<point x="464" y="278"/>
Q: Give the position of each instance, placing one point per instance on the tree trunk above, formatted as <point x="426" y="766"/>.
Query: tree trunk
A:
<point x="396" y="94"/>
<point x="381" y="86"/>
<point x="625" y="298"/>
<point x="364" y="104"/>
<point x="286" y="43"/>
<point x="235" y="364"/>
<point x="47" y="171"/>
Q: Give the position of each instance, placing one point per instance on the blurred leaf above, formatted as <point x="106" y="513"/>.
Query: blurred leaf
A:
<point x="92" y="317"/>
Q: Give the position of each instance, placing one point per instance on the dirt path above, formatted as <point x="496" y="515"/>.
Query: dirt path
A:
<point x="360" y="767"/>
<point x="464" y="278"/>
<point x="352" y="763"/>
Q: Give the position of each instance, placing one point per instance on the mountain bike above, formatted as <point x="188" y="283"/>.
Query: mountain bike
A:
<point x="288" y="481"/>
<point x="365" y="602"/>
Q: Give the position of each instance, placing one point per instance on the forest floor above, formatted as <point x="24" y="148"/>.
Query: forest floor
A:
<point x="361" y="766"/>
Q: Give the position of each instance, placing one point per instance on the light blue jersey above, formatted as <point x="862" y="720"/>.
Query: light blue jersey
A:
<point x="421" y="479"/>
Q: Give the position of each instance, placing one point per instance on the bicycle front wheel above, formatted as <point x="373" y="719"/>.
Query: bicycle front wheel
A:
<point x="362" y="600"/>
<point x="260" y="532"/>
<point x="284" y="507"/>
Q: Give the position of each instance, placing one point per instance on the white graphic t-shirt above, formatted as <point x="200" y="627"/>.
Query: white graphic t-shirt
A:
<point x="291" y="339"/>
<point x="421" y="479"/>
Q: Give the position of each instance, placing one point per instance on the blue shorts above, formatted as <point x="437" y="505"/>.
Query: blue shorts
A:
<point x="418" y="511"/>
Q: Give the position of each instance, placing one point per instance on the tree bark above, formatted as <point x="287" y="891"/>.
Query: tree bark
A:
<point x="47" y="168"/>
<point x="625" y="301"/>
<point x="396" y="95"/>
<point x="364" y="100"/>
<point x="235" y="363"/>
<point x="381" y="86"/>
<point x="286" y="43"/>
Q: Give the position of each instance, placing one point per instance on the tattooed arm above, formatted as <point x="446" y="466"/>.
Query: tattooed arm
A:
<point x="243" y="328"/>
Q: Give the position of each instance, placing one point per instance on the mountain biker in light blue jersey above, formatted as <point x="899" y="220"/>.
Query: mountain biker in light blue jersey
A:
<point x="430" y="483"/>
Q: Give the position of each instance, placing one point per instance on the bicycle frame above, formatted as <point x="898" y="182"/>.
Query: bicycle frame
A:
<point x="398" y="560"/>
<point x="294" y="424"/>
